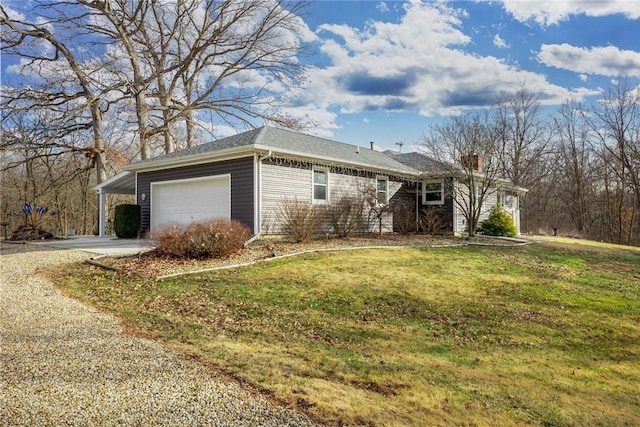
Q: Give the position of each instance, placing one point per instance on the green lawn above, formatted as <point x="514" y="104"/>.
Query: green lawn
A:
<point x="544" y="334"/>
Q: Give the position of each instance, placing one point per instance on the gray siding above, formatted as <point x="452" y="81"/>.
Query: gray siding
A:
<point x="279" y="183"/>
<point x="285" y="180"/>
<point x="510" y="203"/>
<point x="444" y="211"/>
<point x="242" y="186"/>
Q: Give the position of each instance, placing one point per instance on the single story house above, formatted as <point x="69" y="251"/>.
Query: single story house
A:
<point x="247" y="177"/>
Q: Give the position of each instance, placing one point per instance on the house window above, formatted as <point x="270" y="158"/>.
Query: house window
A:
<point x="320" y="187"/>
<point x="500" y="198"/>
<point x="433" y="193"/>
<point x="382" y="185"/>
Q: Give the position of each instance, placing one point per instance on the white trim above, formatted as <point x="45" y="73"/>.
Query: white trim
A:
<point x="257" y="195"/>
<point x="184" y="181"/>
<point x="313" y="184"/>
<point x="455" y="207"/>
<point x="102" y="199"/>
<point x="424" y="192"/>
<point x="386" y="190"/>
<point x="113" y="179"/>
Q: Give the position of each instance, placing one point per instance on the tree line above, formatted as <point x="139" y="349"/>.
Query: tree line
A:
<point x="581" y="165"/>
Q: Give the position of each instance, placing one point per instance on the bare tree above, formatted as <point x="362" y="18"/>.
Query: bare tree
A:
<point x="24" y="39"/>
<point x="616" y="124"/>
<point x="523" y="136"/>
<point x="467" y="148"/>
<point x="577" y="163"/>
<point x="234" y="59"/>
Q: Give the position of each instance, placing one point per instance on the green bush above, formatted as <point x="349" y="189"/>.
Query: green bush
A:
<point x="499" y="223"/>
<point x="301" y="219"/>
<point x="126" y="221"/>
<point x="215" y="238"/>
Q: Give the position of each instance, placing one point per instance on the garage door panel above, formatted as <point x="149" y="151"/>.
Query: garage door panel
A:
<point x="190" y="200"/>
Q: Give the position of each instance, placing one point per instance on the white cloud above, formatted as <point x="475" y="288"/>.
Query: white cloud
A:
<point x="416" y="64"/>
<point x="583" y="77"/>
<point x="606" y="61"/>
<point x="499" y="42"/>
<point x="382" y="7"/>
<point x="546" y="13"/>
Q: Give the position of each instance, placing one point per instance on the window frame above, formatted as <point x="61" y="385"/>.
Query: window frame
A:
<point x="314" y="184"/>
<point x="386" y="189"/>
<point x="424" y="192"/>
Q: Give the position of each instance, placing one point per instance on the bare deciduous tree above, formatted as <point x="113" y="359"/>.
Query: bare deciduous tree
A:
<point x="233" y="59"/>
<point x="467" y="147"/>
<point x="616" y="124"/>
<point x="24" y="39"/>
<point x="577" y="165"/>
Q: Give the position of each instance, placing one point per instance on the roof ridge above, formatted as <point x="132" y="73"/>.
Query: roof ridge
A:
<point x="321" y="138"/>
<point x="262" y="130"/>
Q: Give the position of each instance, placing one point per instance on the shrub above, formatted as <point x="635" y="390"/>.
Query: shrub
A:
<point x="301" y="219"/>
<point x="404" y="216"/>
<point x="126" y="221"/>
<point x="215" y="238"/>
<point x="432" y="220"/>
<point x="346" y="215"/>
<point x="499" y="223"/>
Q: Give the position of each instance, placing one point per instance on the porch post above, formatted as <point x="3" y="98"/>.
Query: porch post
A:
<point x="102" y="211"/>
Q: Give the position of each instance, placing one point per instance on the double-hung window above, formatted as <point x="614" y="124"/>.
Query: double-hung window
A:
<point x="433" y="193"/>
<point x="320" y="185"/>
<point x="382" y="187"/>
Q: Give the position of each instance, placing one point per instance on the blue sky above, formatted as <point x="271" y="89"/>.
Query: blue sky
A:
<point x="384" y="71"/>
<point x="387" y="70"/>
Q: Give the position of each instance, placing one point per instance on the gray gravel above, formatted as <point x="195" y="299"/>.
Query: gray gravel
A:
<point x="63" y="363"/>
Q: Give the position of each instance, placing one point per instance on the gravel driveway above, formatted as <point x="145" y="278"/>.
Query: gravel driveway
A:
<point x="63" y="363"/>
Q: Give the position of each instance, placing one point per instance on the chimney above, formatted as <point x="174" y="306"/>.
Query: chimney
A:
<point x="476" y="159"/>
<point x="371" y="142"/>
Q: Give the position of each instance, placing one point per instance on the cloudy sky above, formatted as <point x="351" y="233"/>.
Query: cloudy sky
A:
<point x="385" y="71"/>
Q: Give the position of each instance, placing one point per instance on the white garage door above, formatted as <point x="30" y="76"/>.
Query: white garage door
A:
<point x="190" y="200"/>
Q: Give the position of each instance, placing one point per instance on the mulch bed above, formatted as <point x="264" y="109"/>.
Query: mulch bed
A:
<point x="151" y="265"/>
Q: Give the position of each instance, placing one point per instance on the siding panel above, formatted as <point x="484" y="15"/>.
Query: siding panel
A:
<point x="281" y="181"/>
<point x="242" y="179"/>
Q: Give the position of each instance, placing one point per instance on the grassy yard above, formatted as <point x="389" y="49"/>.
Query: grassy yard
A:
<point x="544" y="334"/>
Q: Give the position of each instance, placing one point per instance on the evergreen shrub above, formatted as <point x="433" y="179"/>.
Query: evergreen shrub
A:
<point x="499" y="223"/>
<point x="126" y="221"/>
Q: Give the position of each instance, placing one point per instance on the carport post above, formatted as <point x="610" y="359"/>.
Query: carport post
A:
<point x="102" y="202"/>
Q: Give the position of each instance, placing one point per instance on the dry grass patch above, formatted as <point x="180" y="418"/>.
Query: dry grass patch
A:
<point x="451" y="336"/>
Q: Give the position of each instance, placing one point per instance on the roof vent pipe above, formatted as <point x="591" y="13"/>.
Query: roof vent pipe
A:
<point x="371" y="142"/>
<point x="358" y="149"/>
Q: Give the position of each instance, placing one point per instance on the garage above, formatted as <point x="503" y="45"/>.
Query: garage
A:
<point x="188" y="200"/>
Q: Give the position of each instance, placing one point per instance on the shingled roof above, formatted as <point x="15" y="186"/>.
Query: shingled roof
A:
<point x="286" y="143"/>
